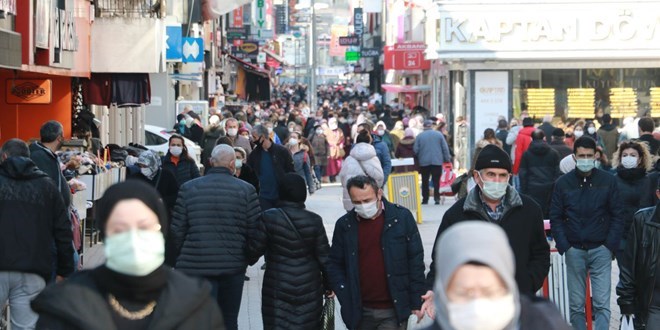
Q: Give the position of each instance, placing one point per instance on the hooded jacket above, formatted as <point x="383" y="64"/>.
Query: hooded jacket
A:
<point x="610" y="137"/>
<point x="523" y="140"/>
<point x="539" y="168"/>
<point x="405" y="150"/>
<point x="522" y="221"/>
<point x="33" y="218"/>
<point x="361" y="161"/>
<point x="48" y="163"/>
<point x="488" y="246"/>
<point x="78" y="303"/>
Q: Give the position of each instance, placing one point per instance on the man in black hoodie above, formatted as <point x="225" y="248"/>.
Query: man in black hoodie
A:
<point x="609" y="135"/>
<point x="33" y="218"/>
<point x="539" y="168"/>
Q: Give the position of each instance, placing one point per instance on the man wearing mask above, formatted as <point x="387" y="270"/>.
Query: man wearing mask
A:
<point x="34" y="231"/>
<point x="43" y="155"/>
<point x="227" y="207"/>
<point x="476" y="287"/>
<point x="494" y="200"/>
<point x="586" y="216"/>
<point x="376" y="263"/>
<point x="270" y="161"/>
<point x="231" y="127"/>
<point x="282" y="130"/>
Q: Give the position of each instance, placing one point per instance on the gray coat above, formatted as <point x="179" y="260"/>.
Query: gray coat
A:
<point x="213" y="220"/>
<point x="431" y="148"/>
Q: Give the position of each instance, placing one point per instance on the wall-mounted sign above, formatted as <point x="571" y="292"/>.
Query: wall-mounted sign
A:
<point x="237" y="16"/>
<point x="249" y="47"/>
<point x="173" y="43"/>
<point x="370" y="52"/>
<point x="358" y="22"/>
<point x="352" y="56"/>
<point x="193" y="50"/>
<point x="491" y="99"/>
<point x="234" y="33"/>
<point x="406" y="56"/>
<point x="349" y="41"/>
<point x="29" y="91"/>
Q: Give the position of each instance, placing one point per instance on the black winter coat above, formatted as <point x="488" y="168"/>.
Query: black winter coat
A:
<point x="633" y="187"/>
<point x="248" y="175"/>
<point x="78" y="303"/>
<point x="403" y="254"/>
<point x="539" y="168"/>
<point x="586" y="212"/>
<point x="165" y="183"/>
<point x="184" y="171"/>
<point x="48" y="163"/>
<point x="561" y="148"/>
<point x="214" y="219"/>
<point x="296" y="277"/>
<point x="523" y="223"/>
<point x="282" y="160"/>
<point x="637" y="269"/>
<point x="208" y="143"/>
<point x="32" y="219"/>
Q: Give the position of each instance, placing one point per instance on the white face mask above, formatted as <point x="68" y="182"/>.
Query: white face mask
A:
<point x="591" y="130"/>
<point x="176" y="151"/>
<point x="367" y="210"/>
<point x="147" y="172"/>
<point x="629" y="161"/>
<point x="293" y="142"/>
<point x="291" y="129"/>
<point x="578" y="134"/>
<point x="333" y="126"/>
<point x="319" y="131"/>
<point x="232" y="131"/>
<point x="482" y="314"/>
<point x="135" y="252"/>
<point x="493" y="190"/>
<point x="380" y="132"/>
<point x="270" y="130"/>
<point x="238" y="163"/>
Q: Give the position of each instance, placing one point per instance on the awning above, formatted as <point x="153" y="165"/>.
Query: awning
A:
<point x="405" y="88"/>
<point x="249" y="67"/>
<point x="273" y="60"/>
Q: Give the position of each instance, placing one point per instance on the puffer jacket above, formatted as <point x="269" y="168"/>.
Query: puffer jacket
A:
<point x="637" y="269"/>
<point x="213" y="220"/>
<point x="296" y="277"/>
<point x="523" y="140"/>
<point x="184" y="171"/>
<point x="586" y="212"/>
<point x="539" y="168"/>
<point x="403" y="255"/>
<point x="633" y="185"/>
<point x="33" y="220"/>
<point x="361" y="161"/>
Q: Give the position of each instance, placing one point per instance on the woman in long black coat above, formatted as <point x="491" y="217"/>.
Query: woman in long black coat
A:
<point x="295" y="279"/>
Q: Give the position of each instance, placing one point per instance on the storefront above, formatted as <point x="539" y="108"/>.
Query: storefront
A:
<point x="557" y="58"/>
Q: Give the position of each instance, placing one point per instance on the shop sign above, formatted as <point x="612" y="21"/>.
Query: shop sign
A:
<point x="29" y="91"/>
<point x="8" y="6"/>
<point x="358" y="22"/>
<point x="534" y="29"/>
<point x="406" y="56"/>
<point x="237" y="15"/>
<point x="370" y="52"/>
<point x="349" y="41"/>
<point x="173" y="43"/>
<point x="352" y="56"/>
<point x="193" y="50"/>
<point x="491" y="99"/>
<point x="234" y="33"/>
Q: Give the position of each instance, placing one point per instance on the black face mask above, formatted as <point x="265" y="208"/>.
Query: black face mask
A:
<point x="258" y="142"/>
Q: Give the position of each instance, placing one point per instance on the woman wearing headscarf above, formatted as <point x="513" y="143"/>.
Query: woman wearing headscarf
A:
<point x="301" y="160"/>
<point x="397" y="133"/>
<point x="475" y="287"/>
<point x="152" y="173"/>
<point x="336" y="153"/>
<point x="178" y="161"/>
<point x="363" y="160"/>
<point x="405" y="150"/>
<point x="296" y="249"/>
<point x="133" y="289"/>
<point x="320" y="148"/>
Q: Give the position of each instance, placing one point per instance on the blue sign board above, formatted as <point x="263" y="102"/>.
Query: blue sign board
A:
<point x="193" y="50"/>
<point x="173" y="43"/>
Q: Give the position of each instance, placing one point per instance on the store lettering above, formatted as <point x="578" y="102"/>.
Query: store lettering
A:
<point x="624" y="27"/>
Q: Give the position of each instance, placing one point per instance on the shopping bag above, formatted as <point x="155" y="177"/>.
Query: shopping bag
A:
<point x="424" y="323"/>
<point x="328" y="314"/>
<point x="627" y="323"/>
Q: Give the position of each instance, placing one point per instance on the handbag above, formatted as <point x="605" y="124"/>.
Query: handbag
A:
<point x="328" y="314"/>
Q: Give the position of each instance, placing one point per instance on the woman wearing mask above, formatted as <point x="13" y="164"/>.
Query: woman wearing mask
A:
<point x="475" y="286"/>
<point x="397" y="134"/>
<point x="195" y="128"/>
<point x="133" y="289"/>
<point x="152" y="173"/>
<point x="179" y="162"/>
<point x="336" y="153"/>
<point x="301" y="162"/>
<point x="632" y="160"/>
<point x="363" y="160"/>
<point x="296" y="249"/>
<point x="320" y="147"/>
<point x="381" y="133"/>
<point x="243" y="170"/>
<point x="405" y="150"/>
<point x="271" y="133"/>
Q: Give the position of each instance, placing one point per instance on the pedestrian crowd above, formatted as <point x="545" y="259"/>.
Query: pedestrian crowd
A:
<point x="178" y="239"/>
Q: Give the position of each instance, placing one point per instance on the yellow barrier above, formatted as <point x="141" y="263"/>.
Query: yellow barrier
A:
<point x="404" y="189"/>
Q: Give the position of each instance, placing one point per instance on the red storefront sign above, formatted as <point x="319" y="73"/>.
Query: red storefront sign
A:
<point x="237" y="20"/>
<point x="406" y="56"/>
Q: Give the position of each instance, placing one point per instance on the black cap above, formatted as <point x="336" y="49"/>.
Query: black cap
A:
<point x="558" y="132"/>
<point x="492" y="156"/>
<point x="528" y="122"/>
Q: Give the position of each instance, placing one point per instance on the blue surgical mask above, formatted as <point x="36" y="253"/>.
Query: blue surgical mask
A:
<point x="585" y="165"/>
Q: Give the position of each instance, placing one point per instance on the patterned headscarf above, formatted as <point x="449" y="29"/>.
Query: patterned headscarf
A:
<point x="151" y="160"/>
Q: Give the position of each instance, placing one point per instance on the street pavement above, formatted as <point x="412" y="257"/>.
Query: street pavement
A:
<point x="327" y="203"/>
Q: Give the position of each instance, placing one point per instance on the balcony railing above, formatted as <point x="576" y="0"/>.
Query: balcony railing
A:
<point x="127" y="8"/>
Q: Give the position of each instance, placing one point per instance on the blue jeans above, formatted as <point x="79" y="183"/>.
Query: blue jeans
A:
<point x="20" y="289"/>
<point x="228" y="292"/>
<point x="598" y="262"/>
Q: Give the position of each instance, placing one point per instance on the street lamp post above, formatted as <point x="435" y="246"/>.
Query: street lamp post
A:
<point x="312" y="85"/>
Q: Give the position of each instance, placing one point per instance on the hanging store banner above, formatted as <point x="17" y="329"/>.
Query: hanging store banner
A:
<point x="237" y="16"/>
<point x="358" y="23"/>
<point x="29" y="91"/>
<point x="406" y="56"/>
<point x="491" y="100"/>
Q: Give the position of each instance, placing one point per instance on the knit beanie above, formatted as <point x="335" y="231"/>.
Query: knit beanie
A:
<point x="293" y="188"/>
<point x="492" y="156"/>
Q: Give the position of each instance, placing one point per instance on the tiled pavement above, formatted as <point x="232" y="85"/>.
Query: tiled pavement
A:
<point x="327" y="203"/>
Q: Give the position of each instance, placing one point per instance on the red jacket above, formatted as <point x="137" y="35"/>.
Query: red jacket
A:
<point x="523" y="141"/>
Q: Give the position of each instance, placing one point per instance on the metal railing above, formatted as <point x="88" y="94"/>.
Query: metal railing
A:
<point x="127" y="8"/>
